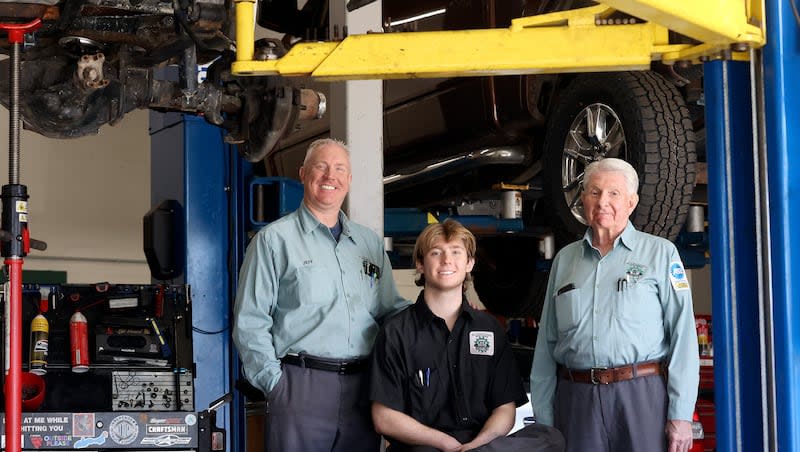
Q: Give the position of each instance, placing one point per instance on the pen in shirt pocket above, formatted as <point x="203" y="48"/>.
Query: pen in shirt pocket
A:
<point x="623" y="282"/>
<point x="372" y="271"/>
<point x="424" y="376"/>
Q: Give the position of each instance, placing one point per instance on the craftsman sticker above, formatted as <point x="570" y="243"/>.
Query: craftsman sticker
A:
<point x="158" y="429"/>
<point x="481" y="343"/>
<point x="677" y="276"/>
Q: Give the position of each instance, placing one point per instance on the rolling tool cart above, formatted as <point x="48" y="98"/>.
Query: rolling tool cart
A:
<point x="110" y="367"/>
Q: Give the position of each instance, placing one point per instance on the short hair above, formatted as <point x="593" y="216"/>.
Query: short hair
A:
<point x="448" y="231"/>
<point x="321" y="143"/>
<point x="613" y="165"/>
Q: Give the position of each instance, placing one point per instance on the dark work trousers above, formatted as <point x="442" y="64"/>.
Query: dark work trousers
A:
<point x="313" y="410"/>
<point x="533" y="438"/>
<point x="628" y="416"/>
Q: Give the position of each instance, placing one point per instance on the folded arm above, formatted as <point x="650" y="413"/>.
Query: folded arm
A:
<point x="406" y="429"/>
<point x="499" y="424"/>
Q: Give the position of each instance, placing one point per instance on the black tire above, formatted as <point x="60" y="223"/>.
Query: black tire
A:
<point x="657" y="139"/>
<point x="505" y="276"/>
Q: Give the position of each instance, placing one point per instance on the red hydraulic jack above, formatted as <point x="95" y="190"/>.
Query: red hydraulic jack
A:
<point x="16" y="242"/>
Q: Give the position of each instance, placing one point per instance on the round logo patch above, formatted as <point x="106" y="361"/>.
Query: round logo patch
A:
<point x="123" y="429"/>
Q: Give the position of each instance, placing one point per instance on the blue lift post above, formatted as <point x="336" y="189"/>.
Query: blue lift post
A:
<point x="734" y="288"/>
<point x="190" y="163"/>
<point x="756" y="333"/>
<point x="782" y="95"/>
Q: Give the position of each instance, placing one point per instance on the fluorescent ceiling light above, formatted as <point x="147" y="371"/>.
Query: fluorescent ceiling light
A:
<point x="418" y="17"/>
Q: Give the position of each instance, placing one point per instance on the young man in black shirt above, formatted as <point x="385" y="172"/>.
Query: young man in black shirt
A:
<point x="443" y="375"/>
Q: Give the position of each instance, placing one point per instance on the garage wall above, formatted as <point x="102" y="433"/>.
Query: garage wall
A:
<point x="700" y="281"/>
<point x="87" y="199"/>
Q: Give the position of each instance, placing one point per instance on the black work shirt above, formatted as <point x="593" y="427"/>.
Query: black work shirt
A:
<point x="448" y="381"/>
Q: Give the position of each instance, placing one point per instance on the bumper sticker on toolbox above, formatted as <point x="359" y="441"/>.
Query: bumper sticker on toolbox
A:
<point x="48" y="441"/>
<point x="123" y="429"/>
<point x="83" y="425"/>
<point x="166" y="440"/>
<point x="157" y="429"/>
<point x="86" y="442"/>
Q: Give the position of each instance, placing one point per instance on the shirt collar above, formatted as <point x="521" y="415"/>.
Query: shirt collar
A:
<point x="308" y="222"/>
<point x="628" y="238"/>
<point x="425" y="315"/>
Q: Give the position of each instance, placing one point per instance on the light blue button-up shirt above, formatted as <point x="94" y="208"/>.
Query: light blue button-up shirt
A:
<point x="300" y="291"/>
<point x="604" y="322"/>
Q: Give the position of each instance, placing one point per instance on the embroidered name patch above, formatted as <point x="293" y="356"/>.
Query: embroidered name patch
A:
<point x="481" y="343"/>
<point x="677" y="276"/>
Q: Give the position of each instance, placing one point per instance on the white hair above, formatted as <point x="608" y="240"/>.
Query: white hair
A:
<point x="613" y="165"/>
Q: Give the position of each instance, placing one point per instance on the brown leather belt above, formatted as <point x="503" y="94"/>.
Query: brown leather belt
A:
<point x="608" y="375"/>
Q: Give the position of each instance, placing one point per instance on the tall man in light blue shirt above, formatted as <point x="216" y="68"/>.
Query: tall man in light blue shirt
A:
<point x="616" y="365"/>
<point x="313" y="289"/>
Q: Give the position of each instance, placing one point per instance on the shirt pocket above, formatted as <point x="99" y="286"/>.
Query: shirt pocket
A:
<point x="368" y="284"/>
<point x="422" y="394"/>
<point x="569" y="310"/>
<point x="364" y="289"/>
<point x="639" y="305"/>
<point x="313" y="284"/>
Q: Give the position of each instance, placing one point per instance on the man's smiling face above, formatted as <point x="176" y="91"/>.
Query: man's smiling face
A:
<point x="445" y="265"/>
<point x="326" y="179"/>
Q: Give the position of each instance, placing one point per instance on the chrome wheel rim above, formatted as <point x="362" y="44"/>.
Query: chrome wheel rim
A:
<point x="595" y="134"/>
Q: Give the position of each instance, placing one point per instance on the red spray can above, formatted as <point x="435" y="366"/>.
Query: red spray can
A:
<point x="79" y="342"/>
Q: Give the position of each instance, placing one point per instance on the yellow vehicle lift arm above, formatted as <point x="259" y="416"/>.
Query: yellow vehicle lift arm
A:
<point x="580" y="40"/>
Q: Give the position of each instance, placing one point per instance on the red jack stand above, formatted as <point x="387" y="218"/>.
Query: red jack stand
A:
<point x="16" y="242"/>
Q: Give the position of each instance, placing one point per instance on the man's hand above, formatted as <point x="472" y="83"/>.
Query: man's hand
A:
<point x="499" y="424"/>
<point x="469" y="446"/>
<point x="679" y="435"/>
<point x="404" y="428"/>
<point x="450" y="444"/>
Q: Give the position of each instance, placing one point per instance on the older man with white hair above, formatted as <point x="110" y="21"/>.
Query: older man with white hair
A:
<point x="616" y="365"/>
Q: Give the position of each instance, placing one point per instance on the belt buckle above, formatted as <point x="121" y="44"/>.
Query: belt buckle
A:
<point x="592" y="378"/>
<point x="342" y="368"/>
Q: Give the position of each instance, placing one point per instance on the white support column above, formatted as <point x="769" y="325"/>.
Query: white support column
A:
<point x="357" y="118"/>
